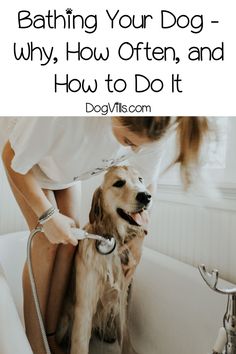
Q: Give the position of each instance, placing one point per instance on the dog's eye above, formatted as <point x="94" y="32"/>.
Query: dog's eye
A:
<point x="140" y="179"/>
<point x="119" y="183"/>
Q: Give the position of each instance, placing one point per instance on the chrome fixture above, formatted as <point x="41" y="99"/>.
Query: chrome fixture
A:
<point x="226" y="340"/>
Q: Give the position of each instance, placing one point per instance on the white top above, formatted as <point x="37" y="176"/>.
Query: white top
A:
<point x="63" y="150"/>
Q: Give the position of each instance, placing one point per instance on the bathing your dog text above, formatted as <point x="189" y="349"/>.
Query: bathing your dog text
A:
<point x="77" y="50"/>
<point x="115" y="19"/>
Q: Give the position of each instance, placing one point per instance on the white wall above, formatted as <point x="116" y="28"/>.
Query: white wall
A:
<point x="196" y="234"/>
<point x="198" y="229"/>
<point x="10" y="216"/>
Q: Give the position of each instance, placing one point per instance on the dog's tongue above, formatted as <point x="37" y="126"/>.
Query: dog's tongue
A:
<point x="140" y="218"/>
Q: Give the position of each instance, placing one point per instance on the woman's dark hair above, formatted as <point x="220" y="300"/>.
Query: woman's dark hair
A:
<point x="191" y="132"/>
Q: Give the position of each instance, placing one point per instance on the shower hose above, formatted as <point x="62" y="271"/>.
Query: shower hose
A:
<point x="34" y="289"/>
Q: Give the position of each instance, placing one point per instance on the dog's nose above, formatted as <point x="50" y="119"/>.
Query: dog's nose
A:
<point x="144" y="198"/>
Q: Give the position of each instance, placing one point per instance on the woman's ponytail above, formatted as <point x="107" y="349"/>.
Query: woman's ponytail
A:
<point x="191" y="132"/>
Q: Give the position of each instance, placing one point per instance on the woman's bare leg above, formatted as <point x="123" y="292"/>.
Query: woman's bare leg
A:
<point x="68" y="204"/>
<point x="51" y="267"/>
<point x="43" y="256"/>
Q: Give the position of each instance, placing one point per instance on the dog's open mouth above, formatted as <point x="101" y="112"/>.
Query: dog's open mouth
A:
<point x="138" y="218"/>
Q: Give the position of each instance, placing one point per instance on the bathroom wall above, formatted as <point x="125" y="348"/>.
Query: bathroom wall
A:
<point x="193" y="230"/>
<point x="10" y="216"/>
<point x="196" y="234"/>
<point x="197" y="228"/>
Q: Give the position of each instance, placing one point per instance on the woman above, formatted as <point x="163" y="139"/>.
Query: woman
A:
<point x="45" y="157"/>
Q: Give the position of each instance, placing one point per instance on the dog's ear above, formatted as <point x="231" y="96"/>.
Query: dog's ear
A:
<point x="96" y="211"/>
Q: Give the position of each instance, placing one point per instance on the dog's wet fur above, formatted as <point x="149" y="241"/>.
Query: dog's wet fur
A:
<point x="97" y="298"/>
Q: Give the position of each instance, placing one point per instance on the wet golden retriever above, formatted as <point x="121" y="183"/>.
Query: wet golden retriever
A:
<point x="98" y="297"/>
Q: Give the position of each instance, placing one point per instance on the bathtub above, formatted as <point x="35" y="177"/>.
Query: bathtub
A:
<point x="172" y="310"/>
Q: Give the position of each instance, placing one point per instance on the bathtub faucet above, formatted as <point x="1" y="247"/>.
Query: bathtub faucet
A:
<point x="226" y="340"/>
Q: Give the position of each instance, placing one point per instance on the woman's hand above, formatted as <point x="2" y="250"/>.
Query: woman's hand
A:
<point x="58" y="229"/>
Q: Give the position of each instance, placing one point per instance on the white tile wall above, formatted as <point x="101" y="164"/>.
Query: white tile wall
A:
<point x="11" y="218"/>
<point x="196" y="234"/>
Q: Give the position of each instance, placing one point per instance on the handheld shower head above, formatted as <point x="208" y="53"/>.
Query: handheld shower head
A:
<point x="107" y="245"/>
<point x="104" y="244"/>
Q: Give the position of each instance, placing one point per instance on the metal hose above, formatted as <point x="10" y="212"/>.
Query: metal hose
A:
<point x="34" y="289"/>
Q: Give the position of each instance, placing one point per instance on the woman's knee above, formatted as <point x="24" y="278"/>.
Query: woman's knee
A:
<point x="43" y="249"/>
<point x="65" y="255"/>
<point x="68" y="201"/>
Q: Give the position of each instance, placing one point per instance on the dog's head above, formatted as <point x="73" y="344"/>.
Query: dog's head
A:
<point x="123" y="196"/>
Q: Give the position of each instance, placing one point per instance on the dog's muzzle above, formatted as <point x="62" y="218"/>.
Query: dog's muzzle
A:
<point x="144" y="198"/>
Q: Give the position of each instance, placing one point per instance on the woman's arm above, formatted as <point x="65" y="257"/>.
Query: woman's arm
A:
<point x="26" y="184"/>
<point x="58" y="228"/>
